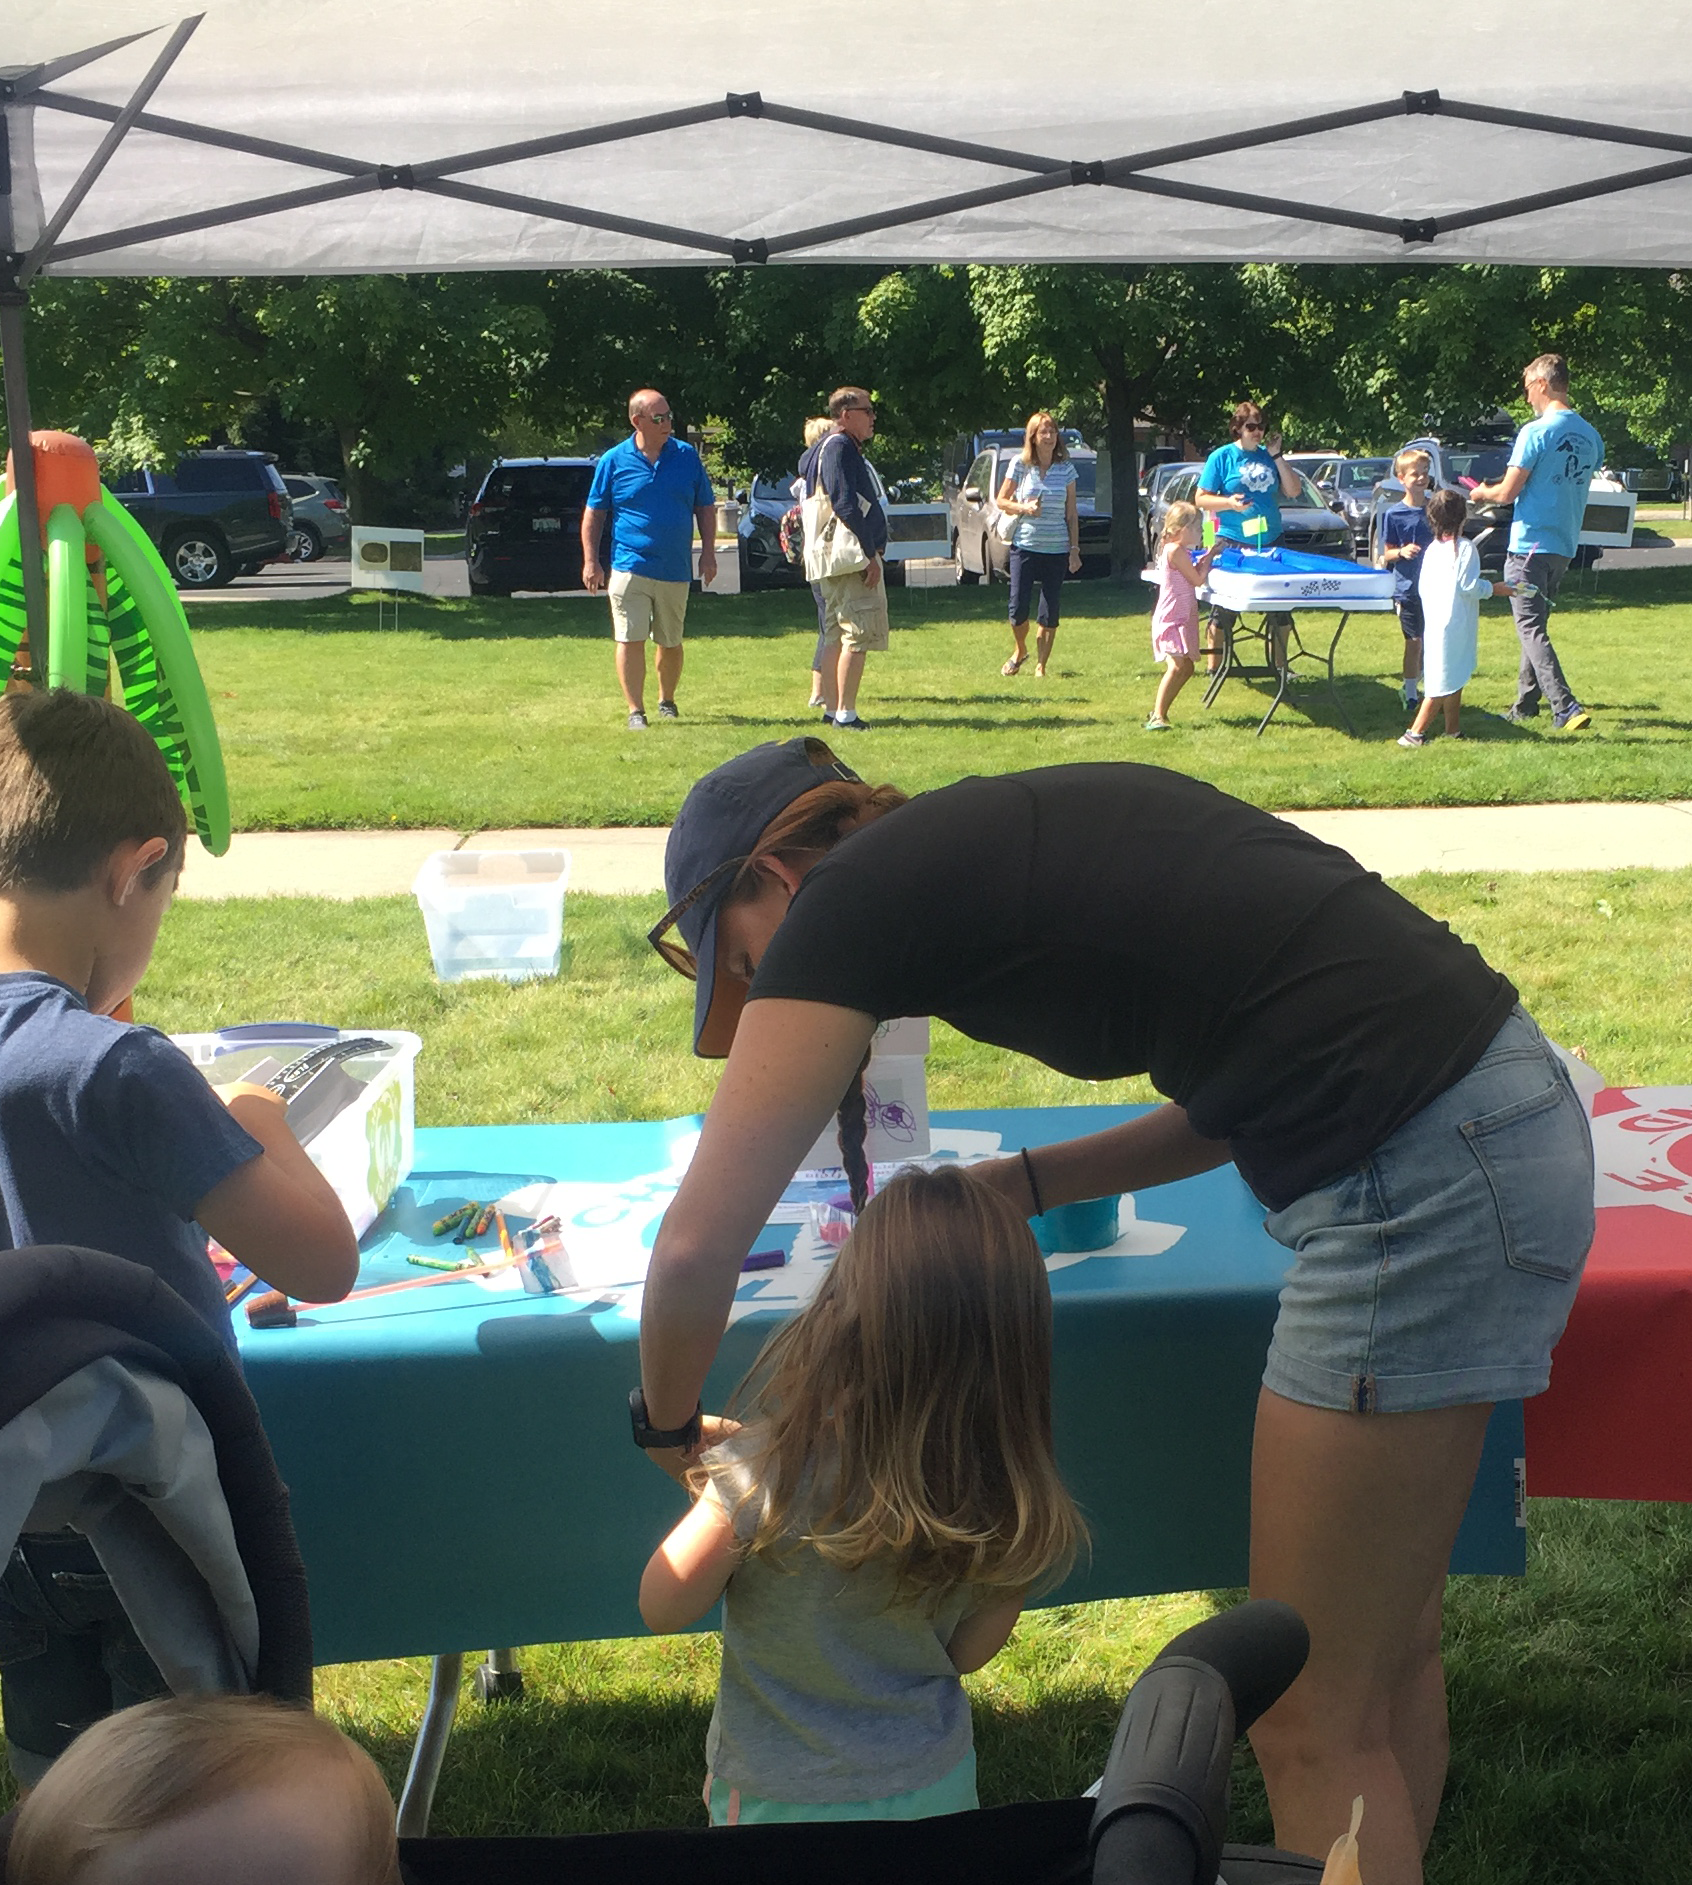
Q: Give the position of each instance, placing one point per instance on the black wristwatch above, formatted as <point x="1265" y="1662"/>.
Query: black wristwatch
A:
<point x="646" y="1435"/>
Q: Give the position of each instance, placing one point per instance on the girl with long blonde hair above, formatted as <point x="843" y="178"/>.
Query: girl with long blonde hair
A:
<point x="878" y="1520"/>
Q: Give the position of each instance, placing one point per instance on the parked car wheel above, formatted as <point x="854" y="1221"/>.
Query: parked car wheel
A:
<point x="198" y="560"/>
<point x="305" y="543"/>
<point x="965" y="573"/>
<point x="989" y="574"/>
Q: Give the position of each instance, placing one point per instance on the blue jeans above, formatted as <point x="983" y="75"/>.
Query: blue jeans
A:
<point x="1031" y="567"/>
<point x="68" y="1654"/>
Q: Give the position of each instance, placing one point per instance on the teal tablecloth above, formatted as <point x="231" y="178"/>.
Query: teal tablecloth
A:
<point x="461" y="1468"/>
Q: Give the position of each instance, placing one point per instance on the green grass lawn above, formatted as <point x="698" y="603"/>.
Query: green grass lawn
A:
<point x="1572" y="1734"/>
<point x="496" y="713"/>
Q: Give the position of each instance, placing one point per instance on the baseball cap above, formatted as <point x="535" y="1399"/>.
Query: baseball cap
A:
<point x="716" y="830"/>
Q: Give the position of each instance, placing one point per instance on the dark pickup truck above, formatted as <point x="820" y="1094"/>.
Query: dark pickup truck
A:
<point x="218" y="515"/>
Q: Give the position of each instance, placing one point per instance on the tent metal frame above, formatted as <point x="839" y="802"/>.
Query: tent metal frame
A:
<point x="1034" y="176"/>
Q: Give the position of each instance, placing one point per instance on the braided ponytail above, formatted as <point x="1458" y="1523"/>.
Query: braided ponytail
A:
<point x="852" y="1127"/>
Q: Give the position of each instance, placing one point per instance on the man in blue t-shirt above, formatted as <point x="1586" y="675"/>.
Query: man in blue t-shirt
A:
<point x="655" y="489"/>
<point x="1242" y="485"/>
<point x="1551" y="467"/>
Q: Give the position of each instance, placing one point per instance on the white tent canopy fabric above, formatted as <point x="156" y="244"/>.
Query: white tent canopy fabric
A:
<point x="338" y="136"/>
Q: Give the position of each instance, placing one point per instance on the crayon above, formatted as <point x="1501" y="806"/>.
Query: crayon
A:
<point x="505" y="1242"/>
<point x="233" y="1294"/>
<point x="441" y="1263"/>
<point x="764" y="1260"/>
<point x="485" y="1222"/>
<point x="452" y="1219"/>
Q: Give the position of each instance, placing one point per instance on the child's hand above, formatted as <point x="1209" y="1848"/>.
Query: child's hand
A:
<point x="1407" y="551"/>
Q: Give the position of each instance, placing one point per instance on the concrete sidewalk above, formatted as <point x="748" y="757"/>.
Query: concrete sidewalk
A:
<point x="345" y="864"/>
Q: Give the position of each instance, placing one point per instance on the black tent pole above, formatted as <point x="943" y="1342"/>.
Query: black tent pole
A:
<point x="14" y="304"/>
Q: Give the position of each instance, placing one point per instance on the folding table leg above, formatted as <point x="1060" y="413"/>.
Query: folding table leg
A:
<point x="1333" y="690"/>
<point x="498" y="1679"/>
<point x="429" y="1754"/>
<point x="1274" y="640"/>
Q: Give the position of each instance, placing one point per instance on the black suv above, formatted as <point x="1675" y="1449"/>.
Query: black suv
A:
<point x="524" y="530"/>
<point x="218" y="515"/>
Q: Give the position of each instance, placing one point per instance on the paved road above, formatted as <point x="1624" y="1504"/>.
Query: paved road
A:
<point x="447" y="576"/>
<point x="310" y="582"/>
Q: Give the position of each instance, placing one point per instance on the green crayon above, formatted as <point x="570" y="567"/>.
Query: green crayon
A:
<point x="453" y="1219"/>
<point x="442" y="1263"/>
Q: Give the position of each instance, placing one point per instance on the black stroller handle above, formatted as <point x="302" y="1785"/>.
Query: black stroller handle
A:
<point x="1163" y="1801"/>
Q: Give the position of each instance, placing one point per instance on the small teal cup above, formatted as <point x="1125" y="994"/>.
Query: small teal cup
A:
<point x="1088" y="1224"/>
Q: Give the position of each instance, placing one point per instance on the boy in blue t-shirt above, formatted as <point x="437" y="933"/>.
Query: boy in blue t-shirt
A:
<point x="1404" y="536"/>
<point x="110" y="1138"/>
<point x="1550" y="470"/>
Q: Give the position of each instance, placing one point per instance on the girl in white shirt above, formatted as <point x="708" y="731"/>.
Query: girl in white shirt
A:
<point x="1451" y="586"/>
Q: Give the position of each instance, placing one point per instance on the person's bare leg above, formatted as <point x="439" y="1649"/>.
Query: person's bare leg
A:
<point x="1424" y="715"/>
<point x="1420" y="1729"/>
<point x="1019" y="635"/>
<point x="1412" y="657"/>
<point x="1453" y="705"/>
<point x="849" y="673"/>
<point x="818" y="697"/>
<point x="1177" y="672"/>
<point x="669" y="671"/>
<point x="831" y="677"/>
<point x="1353" y="1520"/>
<point x="1043" y="651"/>
<point x="631" y="673"/>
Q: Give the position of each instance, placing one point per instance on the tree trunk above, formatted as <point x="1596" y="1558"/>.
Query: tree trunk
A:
<point x="1126" y="548"/>
<point x="356" y="480"/>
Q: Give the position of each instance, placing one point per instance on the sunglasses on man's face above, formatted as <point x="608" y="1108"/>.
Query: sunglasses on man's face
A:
<point x="677" y="954"/>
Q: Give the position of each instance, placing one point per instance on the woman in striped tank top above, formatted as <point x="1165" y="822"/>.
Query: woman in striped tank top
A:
<point x="1040" y="489"/>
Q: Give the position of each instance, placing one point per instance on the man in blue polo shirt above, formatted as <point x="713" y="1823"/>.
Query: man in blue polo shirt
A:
<point x="655" y="489"/>
<point x="1551" y="466"/>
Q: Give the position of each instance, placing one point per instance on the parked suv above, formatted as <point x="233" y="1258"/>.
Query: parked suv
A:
<point x="218" y="515"/>
<point x="524" y="530"/>
<point x="1458" y="465"/>
<point x="321" y="525"/>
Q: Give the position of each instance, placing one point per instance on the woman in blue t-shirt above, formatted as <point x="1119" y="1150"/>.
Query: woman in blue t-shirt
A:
<point x="1242" y="485"/>
<point x="1040" y="489"/>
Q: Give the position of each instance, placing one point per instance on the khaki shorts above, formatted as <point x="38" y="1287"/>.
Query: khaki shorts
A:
<point x="643" y="606"/>
<point x="854" y="613"/>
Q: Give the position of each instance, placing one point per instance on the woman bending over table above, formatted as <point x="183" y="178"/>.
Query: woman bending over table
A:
<point x="1414" y="1138"/>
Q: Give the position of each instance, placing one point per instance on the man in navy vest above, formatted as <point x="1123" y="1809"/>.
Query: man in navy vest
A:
<point x="656" y="490"/>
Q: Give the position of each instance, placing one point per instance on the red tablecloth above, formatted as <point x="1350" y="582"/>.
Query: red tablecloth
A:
<point x="1617" y="1422"/>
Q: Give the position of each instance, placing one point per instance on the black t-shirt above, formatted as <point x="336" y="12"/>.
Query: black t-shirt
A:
<point x="1113" y="920"/>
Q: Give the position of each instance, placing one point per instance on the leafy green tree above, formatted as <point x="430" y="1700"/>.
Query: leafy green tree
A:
<point x="1129" y="342"/>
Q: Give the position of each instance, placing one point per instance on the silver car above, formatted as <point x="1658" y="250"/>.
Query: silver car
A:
<point x="1307" y="523"/>
<point x="321" y="526"/>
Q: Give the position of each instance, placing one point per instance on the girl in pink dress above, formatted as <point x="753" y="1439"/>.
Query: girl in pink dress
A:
<point x="1180" y="572"/>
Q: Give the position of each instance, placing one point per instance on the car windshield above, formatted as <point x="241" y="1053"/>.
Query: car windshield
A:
<point x="1478" y="464"/>
<point x="1308" y="499"/>
<point x="1363" y="474"/>
<point x="768" y="488"/>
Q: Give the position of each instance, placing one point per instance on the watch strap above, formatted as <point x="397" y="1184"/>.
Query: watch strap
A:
<point x="646" y="1435"/>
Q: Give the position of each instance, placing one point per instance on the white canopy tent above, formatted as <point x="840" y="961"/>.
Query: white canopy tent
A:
<point x="325" y="137"/>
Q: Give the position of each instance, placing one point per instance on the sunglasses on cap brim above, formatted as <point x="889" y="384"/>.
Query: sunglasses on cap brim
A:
<point x="677" y="954"/>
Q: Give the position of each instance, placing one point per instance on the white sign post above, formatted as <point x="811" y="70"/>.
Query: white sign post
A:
<point x="388" y="561"/>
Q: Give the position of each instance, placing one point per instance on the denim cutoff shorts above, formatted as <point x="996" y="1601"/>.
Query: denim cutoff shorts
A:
<point x="1441" y="1270"/>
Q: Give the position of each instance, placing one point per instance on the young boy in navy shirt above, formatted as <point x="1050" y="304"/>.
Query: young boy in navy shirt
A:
<point x="1405" y="534"/>
<point x="110" y="1138"/>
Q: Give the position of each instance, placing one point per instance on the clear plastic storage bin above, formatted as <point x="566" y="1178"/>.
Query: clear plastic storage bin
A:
<point x="494" y="913"/>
